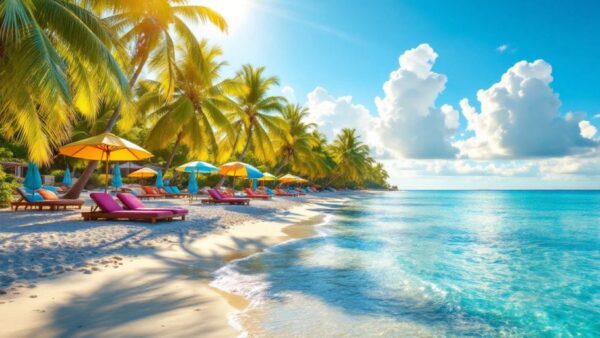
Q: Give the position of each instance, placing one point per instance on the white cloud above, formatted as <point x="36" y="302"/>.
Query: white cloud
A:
<point x="520" y="118"/>
<point x="410" y="124"/>
<point x="502" y="48"/>
<point x="587" y="130"/>
<point x="289" y="93"/>
<point x="332" y="114"/>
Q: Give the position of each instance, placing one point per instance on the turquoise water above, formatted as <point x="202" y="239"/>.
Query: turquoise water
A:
<point x="461" y="263"/>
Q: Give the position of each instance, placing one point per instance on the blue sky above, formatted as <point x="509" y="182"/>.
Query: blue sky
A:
<point x="350" y="47"/>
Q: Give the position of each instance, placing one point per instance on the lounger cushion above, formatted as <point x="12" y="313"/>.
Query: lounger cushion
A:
<point x="176" y="190"/>
<point x="48" y="195"/>
<point x="169" y="190"/>
<point x="30" y="196"/>
<point x="133" y="203"/>
<point x="149" y="190"/>
<point x="105" y="202"/>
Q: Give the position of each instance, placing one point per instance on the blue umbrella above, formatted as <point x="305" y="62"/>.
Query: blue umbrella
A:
<point x="193" y="184"/>
<point x="116" y="177"/>
<point x="159" y="179"/>
<point x="33" y="179"/>
<point x="197" y="167"/>
<point x="67" y="180"/>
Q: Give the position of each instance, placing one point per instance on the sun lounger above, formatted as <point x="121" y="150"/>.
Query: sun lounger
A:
<point x="217" y="197"/>
<point x="110" y="210"/>
<point x="152" y="191"/>
<point x="133" y="203"/>
<point x="36" y="200"/>
<point x="280" y="192"/>
<point x="169" y="192"/>
<point x="252" y="194"/>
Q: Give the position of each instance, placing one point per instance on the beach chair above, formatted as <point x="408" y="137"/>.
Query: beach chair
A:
<point x="152" y="191"/>
<point x="283" y="193"/>
<point x="138" y="192"/>
<point x="133" y="203"/>
<point x="168" y="192"/>
<point x="217" y="197"/>
<point x="269" y="191"/>
<point x="111" y="210"/>
<point x="42" y="200"/>
<point x="252" y="194"/>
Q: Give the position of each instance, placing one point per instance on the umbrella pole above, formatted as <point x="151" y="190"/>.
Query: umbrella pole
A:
<point x="106" y="172"/>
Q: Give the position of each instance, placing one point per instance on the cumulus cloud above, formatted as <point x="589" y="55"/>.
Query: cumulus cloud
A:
<point x="332" y="114"/>
<point x="520" y="118"/>
<point x="587" y="129"/>
<point x="410" y="123"/>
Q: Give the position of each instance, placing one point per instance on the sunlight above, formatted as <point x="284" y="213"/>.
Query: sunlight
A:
<point x="234" y="11"/>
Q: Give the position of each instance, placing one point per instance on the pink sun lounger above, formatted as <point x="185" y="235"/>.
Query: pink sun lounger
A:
<point x="110" y="209"/>
<point x="133" y="203"/>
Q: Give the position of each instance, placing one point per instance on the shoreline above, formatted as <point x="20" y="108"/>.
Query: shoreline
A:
<point x="164" y="292"/>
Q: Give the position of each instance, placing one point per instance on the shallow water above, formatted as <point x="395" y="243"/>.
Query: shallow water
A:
<point x="461" y="263"/>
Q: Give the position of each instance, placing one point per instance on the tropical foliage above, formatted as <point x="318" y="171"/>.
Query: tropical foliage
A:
<point x="89" y="66"/>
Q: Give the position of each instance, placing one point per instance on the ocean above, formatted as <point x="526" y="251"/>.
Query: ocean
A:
<point x="432" y="264"/>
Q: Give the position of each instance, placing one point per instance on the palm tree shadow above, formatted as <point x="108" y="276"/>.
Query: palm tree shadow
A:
<point x="114" y="304"/>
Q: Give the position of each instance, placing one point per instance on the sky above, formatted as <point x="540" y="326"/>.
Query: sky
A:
<point x="448" y="94"/>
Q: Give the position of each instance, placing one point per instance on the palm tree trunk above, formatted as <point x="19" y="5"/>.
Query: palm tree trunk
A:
<point x="172" y="156"/>
<point x="76" y="188"/>
<point x="282" y="164"/>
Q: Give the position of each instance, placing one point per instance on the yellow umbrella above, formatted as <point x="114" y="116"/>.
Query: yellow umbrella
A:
<point x="143" y="173"/>
<point x="268" y="177"/>
<point x="105" y="147"/>
<point x="289" y="178"/>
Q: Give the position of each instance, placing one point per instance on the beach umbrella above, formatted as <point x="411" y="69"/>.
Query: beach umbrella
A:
<point x="159" y="179"/>
<point x="289" y="178"/>
<point x="105" y="147"/>
<point x="268" y="177"/>
<point x="33" y="179"/>
<point x="67" y="180"/>
<point x="197" y="167"/>
<point x="117" y="182"/>
<point x="239" y="169"/>
<point x="192" y="184"/>
<point x="143" y="173"/>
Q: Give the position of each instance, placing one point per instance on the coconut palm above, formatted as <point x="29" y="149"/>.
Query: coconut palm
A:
<point x="149" y="28"/>
<point x="296" y="143"/>
<point x="194" y="112"/>
<point x="59" y="54"/>
<point x="350" y="155"/>
<point x="253" y="116"/>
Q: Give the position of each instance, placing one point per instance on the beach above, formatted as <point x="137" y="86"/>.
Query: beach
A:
<point x="64" y="277"/>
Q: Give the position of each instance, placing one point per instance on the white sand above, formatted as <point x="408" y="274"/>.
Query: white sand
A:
<point x="66" y="277"/>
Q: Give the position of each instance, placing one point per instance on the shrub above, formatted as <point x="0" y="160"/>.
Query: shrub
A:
<point x="7" y="184"/>
<point x="58" y="175"/>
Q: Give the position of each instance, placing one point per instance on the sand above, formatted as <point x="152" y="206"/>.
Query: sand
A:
<point x="65" y="277"/>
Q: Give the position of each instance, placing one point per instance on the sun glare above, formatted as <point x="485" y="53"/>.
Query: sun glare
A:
<point x="234" y="11"/>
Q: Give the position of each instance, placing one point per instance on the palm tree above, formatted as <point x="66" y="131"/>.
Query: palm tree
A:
<point x="148" y="26"/>
<point x="296" y="142"/>
<point x="57" y="56"/>
<point x="194" y="113"/>
<point x="350" y="155"/>
<point x="253" y="115"/>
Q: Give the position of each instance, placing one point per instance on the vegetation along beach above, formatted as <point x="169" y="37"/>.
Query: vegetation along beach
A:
<point x="277" y="168"/>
